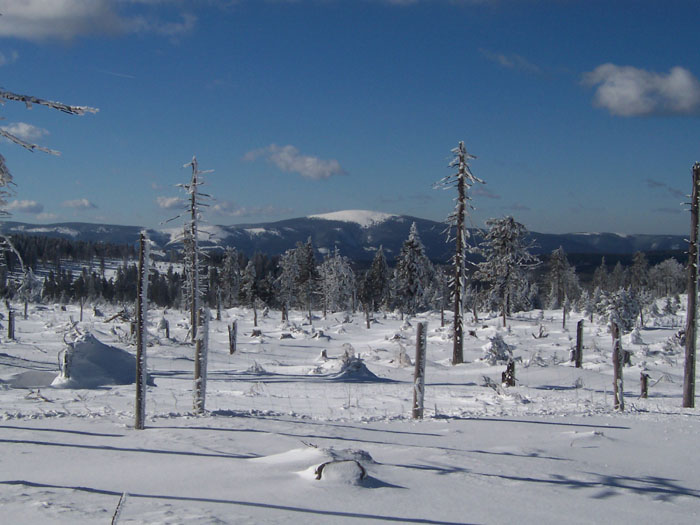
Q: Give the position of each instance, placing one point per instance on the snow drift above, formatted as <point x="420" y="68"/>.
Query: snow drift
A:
<point x="89" y="363"/>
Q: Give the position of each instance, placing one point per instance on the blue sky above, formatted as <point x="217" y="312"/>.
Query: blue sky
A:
<point x="583" y="114"/>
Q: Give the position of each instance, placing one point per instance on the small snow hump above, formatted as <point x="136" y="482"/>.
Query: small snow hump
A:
<point x="348" y="471"/>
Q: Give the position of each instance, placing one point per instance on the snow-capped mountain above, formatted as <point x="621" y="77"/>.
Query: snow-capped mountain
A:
<point x="356" y="233"/>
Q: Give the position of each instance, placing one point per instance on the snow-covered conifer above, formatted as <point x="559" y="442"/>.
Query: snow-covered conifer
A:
<point x="463" y="180"/>
<point x="412" y="274"/>
<point x="507" y="257"/>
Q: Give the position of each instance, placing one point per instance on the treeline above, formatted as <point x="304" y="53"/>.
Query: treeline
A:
<point x="297" y="279"/>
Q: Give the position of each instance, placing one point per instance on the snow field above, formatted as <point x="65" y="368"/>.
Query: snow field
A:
<point x="548" y="448"/>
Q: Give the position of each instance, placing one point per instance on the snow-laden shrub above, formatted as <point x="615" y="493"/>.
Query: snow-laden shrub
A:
<point x="622" y="307"/>
<point x="497" y="351"/>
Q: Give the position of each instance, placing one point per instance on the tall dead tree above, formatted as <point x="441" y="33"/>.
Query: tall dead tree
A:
<point x="617" y="360"/>
<point x="457" y="220"/>
<point x="190" y="240"/>
<point x="691" y="321"/>
<point x="419" y="373"/>
<point x="200" y="361"/>
<point x="141" y="331"/>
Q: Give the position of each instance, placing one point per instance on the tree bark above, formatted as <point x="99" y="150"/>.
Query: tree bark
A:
<point x="618" y="385"/>
<point x="419" y="374"/>
<point x="578" y="357"/>
<point x="200" y="362"/>
<point x="141" y="319"/>
<point x="691" y="321"/>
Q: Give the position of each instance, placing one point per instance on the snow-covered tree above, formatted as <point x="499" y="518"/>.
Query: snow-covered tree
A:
<point x="669" y="278"/>
<point x="507" y="257"/>
<point x="307" y="275"/>
<point x="286" y="283"/>
<point x="561" y="278"/>
<point x="622" y="307"/>
<point x="337" y="282"/>
<point x="412" y="274"/>
<point x="638" y="273"/>
<point x="463" y="180"/>
<point x="230" y="277"/>
<point x="600" y="276"/>
<point x="249" y="289"/>
<point x="374" y="288"/>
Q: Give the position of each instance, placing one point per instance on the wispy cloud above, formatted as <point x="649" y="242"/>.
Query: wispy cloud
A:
<point x="69" y="19"/>
<point x="290" y="160"/>
<point x="9" y="58"/>
<point x="47" y="216"/>
<point x="169" y="203"/>
<point x="655" y="184"/>
<point x="229" y="209"/>
<point x="25" y="206"/>
<point x="480" y="191"/>
<point x="667" y="211"/>
<point x="631" y="92"/>
<point x="79" y="204"/>
<point x="24" y="131"/>
<point x="511" y="61"/>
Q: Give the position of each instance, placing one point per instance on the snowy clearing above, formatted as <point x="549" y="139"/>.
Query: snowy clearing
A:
<point x="548" y="449"/>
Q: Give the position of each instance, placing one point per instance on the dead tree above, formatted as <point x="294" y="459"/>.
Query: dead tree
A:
<point x="462" y="180"/>
<point x="617" y="359"/>
<point x="644" y="385"/>
<point x="419" y="374"/>
<point x="578" y="353"/>
<point x="508" y="377"/>
<point x="141" y="332"/>
<point x="232" y="335"/>
<point x="200" y="361"/>
<point x="691" y="322"/>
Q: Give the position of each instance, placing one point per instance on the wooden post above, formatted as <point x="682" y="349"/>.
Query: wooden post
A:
<point x="232" y="334"/>
<point x="644" y="381"/>
<point x="578" y="357"/>
<point x="419" y="374"/>
<point x="11" y="324"/>
<point x="618" y="385"/>
<point x="218" y="304"/>
<point x="141" y="332"/>
<point x="200" y="361"/>
<point x="691" y="320"/>
<point x="26" y="306"/>
<point x="167" y="329"/>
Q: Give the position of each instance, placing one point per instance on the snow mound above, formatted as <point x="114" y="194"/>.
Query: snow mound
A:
<point x="353" y="369"/>
<point x="364" y="218"/>
<point x="89" y="363"/>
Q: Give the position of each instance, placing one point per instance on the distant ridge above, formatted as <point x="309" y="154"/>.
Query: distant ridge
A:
<point x="357" y="234"/>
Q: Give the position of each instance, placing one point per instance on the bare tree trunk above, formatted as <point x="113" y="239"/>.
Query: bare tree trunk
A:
<point x="141" y="332"/>
<point x="578" y="356"/>
<point x="419" y="374"/>
<point x="618" y="386"/>
<point x="10" y="321"/>
<point x="218" y="305"/>
<point x="232" y="335"/>
<point x="691" y="322"/>
<point x="458" y="343"/>
<point x="200" y="362"/>
<point x="26" y="307"/>
<point x="644" y="383"/>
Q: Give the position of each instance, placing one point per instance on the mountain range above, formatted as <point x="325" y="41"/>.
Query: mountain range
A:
<point x="356" y="233"/>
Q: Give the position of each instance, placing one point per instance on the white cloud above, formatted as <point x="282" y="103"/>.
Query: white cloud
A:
<point x="631" y="92"/>
<point x="169" y="203"/>
<point x="79" y="204"/>
<point x="510" y="61"/>
<point x="288" y="159"/>
<point x="8" y="58"/>
<point x="25" y="207"/>
<point x="229" y="209"/>
<point x="24" y="131"/>
<point x="68" y="19"/>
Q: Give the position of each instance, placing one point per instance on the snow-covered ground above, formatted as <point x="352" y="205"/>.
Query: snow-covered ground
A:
<point x="548" y="450"/>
